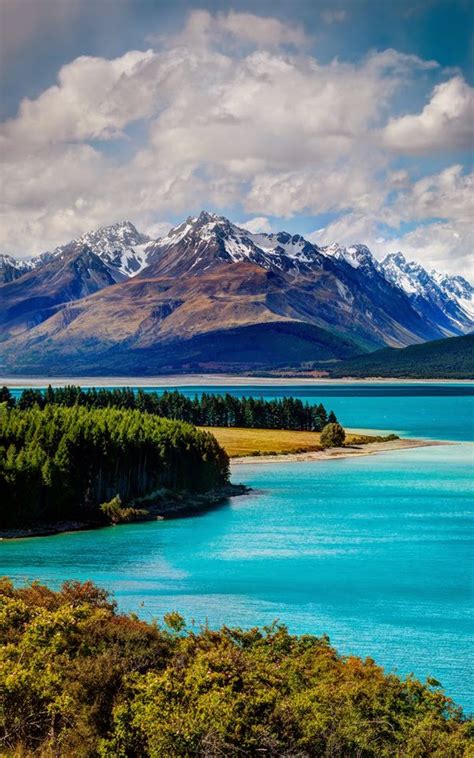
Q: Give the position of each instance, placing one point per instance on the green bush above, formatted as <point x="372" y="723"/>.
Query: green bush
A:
<point x="117" y="514"/>
<point x="333" y="435"/>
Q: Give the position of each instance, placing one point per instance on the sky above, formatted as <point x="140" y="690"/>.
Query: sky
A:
<point x="347" y="122"/>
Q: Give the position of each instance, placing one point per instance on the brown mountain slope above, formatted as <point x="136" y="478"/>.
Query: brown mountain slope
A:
<point x="212" y="294"/>
<point x="35" y="297"/>
<point x="166" y="318"/>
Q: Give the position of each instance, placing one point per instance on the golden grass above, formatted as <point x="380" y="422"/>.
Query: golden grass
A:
<point x="242" y="442"/>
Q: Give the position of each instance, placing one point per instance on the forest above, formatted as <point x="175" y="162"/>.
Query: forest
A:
<point x="204" y="410"/>
<point x="449" y="358"/>
<point x="80" y="680"/>
<point x="61" y="463"/>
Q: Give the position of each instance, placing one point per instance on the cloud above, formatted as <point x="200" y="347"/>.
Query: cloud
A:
<point x="318" y="190"/>
<point x="231" y="113"/>
<point x="349" y="229"/>
<point x="445" y="246"/>
<point x="445" y="123"/>
<point x="333" y="16"/>
<point x="256" y="224"/>
<point x="438" y="208"/>
<point x="93" y="99"/>
<point x="158" y="229"/>
<point x="204" y="29"/>
<point x="448" y="194"/>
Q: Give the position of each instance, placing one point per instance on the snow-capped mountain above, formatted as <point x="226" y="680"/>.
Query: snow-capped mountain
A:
<point x="449" y="299"/>
<point x="458" y="288"/>
<point x="357" y="256"/>
<point x="12" y="268"/>
<point x="339" y="287"/>
<point x="212" y="293"/>
<point x="121" y="246"/>
<point x="203" y="241"/>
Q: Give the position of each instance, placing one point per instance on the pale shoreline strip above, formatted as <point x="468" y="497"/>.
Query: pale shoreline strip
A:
<point x="208" y="380"/>
<point x="336" y="453"/>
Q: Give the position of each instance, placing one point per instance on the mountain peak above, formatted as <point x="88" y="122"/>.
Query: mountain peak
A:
<point x="120" y="246"/>
<point x="206" y="216"/>
<point x="397" y="258"/>
<point x="357" y="256"/>
<point x="121" y="234"/>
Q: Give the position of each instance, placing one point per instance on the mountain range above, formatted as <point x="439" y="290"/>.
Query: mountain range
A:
<point x="211" y="295"/>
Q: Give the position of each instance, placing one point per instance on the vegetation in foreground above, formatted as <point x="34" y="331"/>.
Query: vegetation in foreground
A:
<point x="65" y="463"/>
<point x="206" y="409"/>
<point x="251" y="442"/>
<point x="80" y="680"/>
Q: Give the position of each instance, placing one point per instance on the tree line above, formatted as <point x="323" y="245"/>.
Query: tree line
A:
<point x="204" y="410"/>
<point x="58" y="463"/>
<point x="79" y="679"/>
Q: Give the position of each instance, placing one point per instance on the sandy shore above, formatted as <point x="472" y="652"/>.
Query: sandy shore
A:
<point x="205" y="380"/>
<point x="370" y="448"/>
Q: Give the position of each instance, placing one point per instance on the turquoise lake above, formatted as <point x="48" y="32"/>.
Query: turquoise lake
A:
<point x="377" y="551"/>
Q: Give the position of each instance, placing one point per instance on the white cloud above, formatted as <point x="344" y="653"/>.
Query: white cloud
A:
<point x="94" y="99"/>
<point x="232" y="112"/>
<point x="349" y="229"/>
<point x="158" y="229"/>
<point x="446" y="122"/>
<point x="444" y="246"/>
<point x="317" y="190"/>
<point x="256" y="224"/>
<point x="204" y="29"/>
<point x="448" y="194"/>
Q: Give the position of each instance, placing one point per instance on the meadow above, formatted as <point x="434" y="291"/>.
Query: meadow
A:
<point x="239" y="443"/>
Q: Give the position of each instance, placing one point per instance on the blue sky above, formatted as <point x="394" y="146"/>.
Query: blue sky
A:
<point x="346" y="121"/>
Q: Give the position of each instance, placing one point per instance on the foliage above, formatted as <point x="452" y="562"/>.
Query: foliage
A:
<point x="204" y="410"/>
<point x="78" y="680"/>
<point x="363" y="439"/>
<point x="333" y="435"/>
<point x="62" y="463"/>
<point x="117" y="514"/>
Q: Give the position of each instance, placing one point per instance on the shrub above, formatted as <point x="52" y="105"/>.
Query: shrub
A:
<point x="333" y="435"/>
<point x="79" y="679"/>
<point x="117" y="514"/>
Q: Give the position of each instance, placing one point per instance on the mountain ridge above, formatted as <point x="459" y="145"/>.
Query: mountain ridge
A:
<point x="116" y="291"/>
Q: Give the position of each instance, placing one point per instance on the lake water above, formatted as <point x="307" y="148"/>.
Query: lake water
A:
<point x="376" y="551"/>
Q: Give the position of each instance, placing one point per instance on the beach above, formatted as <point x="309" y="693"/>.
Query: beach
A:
<point x="334" y="453"/>
<point x="204" y="380"/>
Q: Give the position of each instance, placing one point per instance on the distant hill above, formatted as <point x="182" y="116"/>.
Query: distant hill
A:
<point x="451" y="358"/>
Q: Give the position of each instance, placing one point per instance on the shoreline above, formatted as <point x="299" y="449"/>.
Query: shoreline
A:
<point x="181" y="506"/>
<point x="205" y="380"/>
<point x="336" y="453"/>
<point x="178" y="505"/>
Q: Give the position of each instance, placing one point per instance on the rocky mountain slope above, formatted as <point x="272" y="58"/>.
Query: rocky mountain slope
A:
<point x="12" y="268"/>
<point x="213" y="295"/>
<point x="447" y="300"/>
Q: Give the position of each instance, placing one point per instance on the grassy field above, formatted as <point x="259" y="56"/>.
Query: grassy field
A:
<point x="241" y="442"/>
